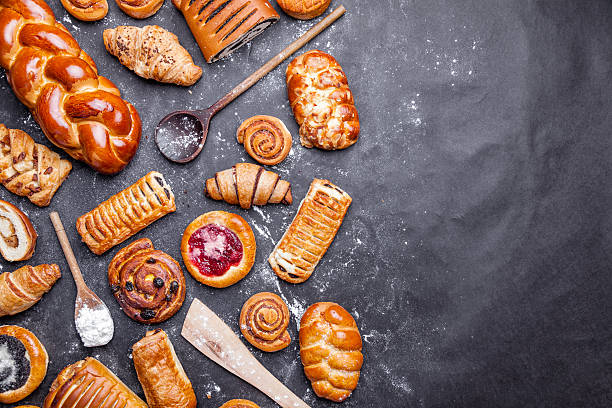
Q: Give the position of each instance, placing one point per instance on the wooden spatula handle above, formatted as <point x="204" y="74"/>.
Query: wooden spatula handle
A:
<point x="275" y="61"/>
<point x="70" y="258"/>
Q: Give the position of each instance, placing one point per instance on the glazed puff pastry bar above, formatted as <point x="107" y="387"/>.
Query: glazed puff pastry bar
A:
<point x="126" y="213"/>
<point x="311" y="232"/>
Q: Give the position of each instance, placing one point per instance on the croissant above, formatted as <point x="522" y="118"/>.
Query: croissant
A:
<point x="265" y="138"/>
<point x="30" y="169"/>
<point x="21" y="289"/>
<point x="248" y="184"/>
<point x="86" y="10"/>
<point x="330" y="349"/>
<point x="322" y="102"/>
<point x="78" y="110"/>
<point x="152" y="53"/>
<point x="17" y="234"/>
<point x="139" y="8"/>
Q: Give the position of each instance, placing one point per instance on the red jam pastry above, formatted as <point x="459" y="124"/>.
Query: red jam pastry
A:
<point x="218" y="248"/>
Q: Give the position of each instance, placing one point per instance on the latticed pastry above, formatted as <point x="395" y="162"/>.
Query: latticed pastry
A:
<point x="222" y="26"/>
<point x="312" y="231"/>
<point x="30" y="169"/>
<point x="264" y="319"/>
<point x="126" y="213"/>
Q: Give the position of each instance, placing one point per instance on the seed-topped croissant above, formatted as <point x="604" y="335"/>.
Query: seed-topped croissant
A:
<point x="152" y="53"/>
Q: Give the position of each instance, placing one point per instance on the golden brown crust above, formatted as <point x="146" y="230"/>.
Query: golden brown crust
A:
<point x="265" y="138"/>
<point x="126" y="213"/>
<point x="139" y="8"/>
<point x="304" y="9"/>
<point x="88" y="383"/>
<point x="322" y="102"/>
<point x="30" y="169"/>
<point x="239" y="403"/>
<point x="221" y="27"/>
<point x="38" y="363"/>
<point x="152" y="53"/>
<point x="161" y="374"/>
<point x="148" y="284"/>
<point x="312" y="231"/>
<point x="248" y="184"/>
<point x="78" y="110"/>
<point x="17" y="234"/>
<point x="86" y="10"/>
<point x="264" y="319"/>
<point x="243" y="231"/>
<point x="21" y="289"/>
<point x="330" y="349"/>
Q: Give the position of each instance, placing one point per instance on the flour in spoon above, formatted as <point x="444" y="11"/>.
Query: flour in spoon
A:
<point x="95" y="326"/>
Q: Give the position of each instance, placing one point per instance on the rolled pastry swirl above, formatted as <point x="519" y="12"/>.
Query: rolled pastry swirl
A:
<point x="264" y="320"/>
<point x="148" y="284"/>
<point x="265" y="138"/>
<point x="86" y="10"/>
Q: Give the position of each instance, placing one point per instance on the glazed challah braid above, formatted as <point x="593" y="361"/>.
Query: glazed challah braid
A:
<point x="79" y="111"/>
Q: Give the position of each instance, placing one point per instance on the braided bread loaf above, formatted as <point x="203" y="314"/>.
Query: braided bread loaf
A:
<point x="322" y="102"/>
<point x="78" y="111"/>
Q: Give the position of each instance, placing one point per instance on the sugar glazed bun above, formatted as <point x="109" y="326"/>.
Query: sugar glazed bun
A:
<point x="330" y="348"/>
<point x="264" y="320"/>
<point x="304" y="9"/>
<point x="148" y="283"/>
<point x="218" y="248"/>
<point x="23" y="363"/>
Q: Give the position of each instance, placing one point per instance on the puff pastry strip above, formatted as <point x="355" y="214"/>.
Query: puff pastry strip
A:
<point x="311" y="232"/>
<point x="126" y="213"/>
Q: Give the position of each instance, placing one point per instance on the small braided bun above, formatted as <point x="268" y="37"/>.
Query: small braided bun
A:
<point x="263" y="322"/>
<point x="265" y="138"/>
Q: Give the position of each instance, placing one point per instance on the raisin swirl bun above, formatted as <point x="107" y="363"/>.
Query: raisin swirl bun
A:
<point x="264" y="320"/>
<point x="23" y="363"/>
<point x="148" y="284"/>
<point x="265" y="138"/>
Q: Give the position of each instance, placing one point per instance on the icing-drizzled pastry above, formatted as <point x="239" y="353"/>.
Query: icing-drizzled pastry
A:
<point x="21" y="289"/>
<point x="322" y="102"/>
<point x="330" y="348"/>
<point x="126" y="213"/>
<point x="161" y="374"/>
<point x="239" y="403"/>
<point x="248" y="184"/>
<point x="304" y="9"/>
<point x="23" y="363"/>
<point x="311" y="232"/>
<point x="30" y="169"/>
<point x="218" y="248"/>
<point x="265" y="138"/>
<point x="88" y="383"/>
<point x="148" y="284"/>
<point x="264" y="320"/>
<point x="221" y="27"/>
<point x="17" y="234"/>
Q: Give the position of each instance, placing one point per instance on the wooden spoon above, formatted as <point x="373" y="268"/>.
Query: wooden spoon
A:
<point x="180" y="136"/>
<point x="91" y="316"/>
<point x="209" y="334"/>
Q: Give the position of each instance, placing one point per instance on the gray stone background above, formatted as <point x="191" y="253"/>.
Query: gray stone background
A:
<point x="476" y="254"/>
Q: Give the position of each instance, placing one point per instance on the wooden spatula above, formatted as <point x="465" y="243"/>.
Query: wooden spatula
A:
<point x="209" y="334"/>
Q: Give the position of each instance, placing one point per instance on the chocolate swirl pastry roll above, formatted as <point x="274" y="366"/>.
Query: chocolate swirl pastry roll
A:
<point x="265" y="138"/>
<point x="222" y="26"/>
<point x="264" y="320"/>
<point x="23" y="363"/>
<point x="148" y="284"/>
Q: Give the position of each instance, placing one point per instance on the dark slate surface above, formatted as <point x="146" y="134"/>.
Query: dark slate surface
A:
<point x="476" y="254"/>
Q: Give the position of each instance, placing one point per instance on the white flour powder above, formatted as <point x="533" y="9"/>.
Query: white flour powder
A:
<point x="95" y="326"/>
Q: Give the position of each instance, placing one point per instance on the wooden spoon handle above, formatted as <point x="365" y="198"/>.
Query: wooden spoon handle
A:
<point x="63" y="239"/>
<point x="280" y="57"/>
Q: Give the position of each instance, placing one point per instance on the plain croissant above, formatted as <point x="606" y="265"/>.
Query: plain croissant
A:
<point x="248" y="184"/>
<point x="21" y="289"/>
<point x="152" y="53"/>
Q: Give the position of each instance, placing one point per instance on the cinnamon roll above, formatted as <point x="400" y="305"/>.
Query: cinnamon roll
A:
<point x="86" y="10"/>
<point x="264" y="320"/>
<point x="265" y="138"/>
<point x="148" y="283"/>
